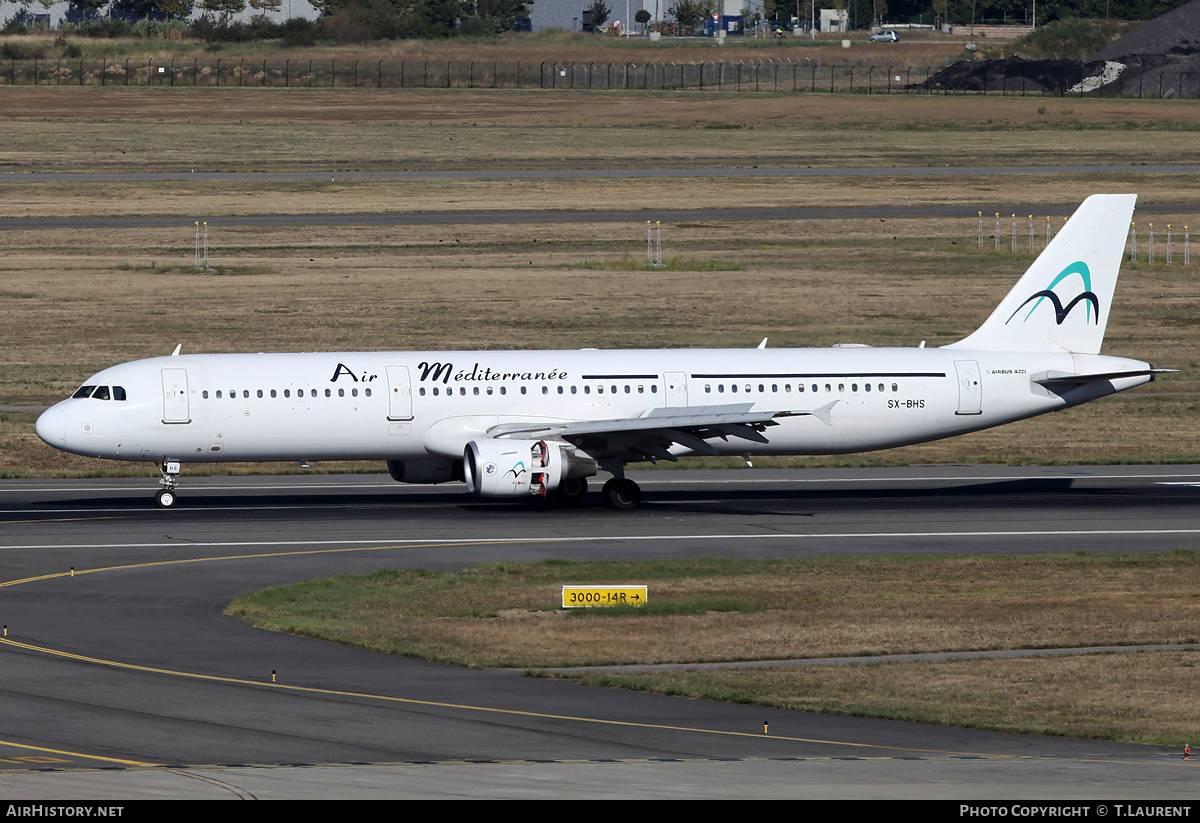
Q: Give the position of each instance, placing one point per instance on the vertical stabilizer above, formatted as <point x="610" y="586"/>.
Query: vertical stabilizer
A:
<point x="1063" y="300"/>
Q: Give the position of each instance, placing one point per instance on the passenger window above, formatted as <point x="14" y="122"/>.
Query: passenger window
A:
<point x="328" y="393"/>
<point x="260" y="392"/>
<point x="286" y="393"/>
<point x="354" y="392"/>
<point x="204" y="394"/>
<point x="367" y="392"/>
<point x="342" y="392"/>
<point x="273" y="393"/>
<point x="84" y="391"/>
<point x="218" y="394"/>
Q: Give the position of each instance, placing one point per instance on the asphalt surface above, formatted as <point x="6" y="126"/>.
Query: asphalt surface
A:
<point x="581" y="215"/>
<point x="128" y="666"/>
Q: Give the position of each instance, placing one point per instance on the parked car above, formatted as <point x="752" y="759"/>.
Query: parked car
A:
<point x="885" y="36"/>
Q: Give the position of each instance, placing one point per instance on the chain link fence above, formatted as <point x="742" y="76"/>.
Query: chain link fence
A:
<point x="717" y="75"/>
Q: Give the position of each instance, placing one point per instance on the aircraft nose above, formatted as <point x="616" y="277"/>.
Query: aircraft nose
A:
<point x="52" y="427"/>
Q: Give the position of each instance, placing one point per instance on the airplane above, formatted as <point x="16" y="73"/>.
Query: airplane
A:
<point x="533" y="424"/>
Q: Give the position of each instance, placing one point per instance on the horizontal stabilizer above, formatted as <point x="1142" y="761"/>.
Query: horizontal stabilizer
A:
<point x="1060" y="378"/>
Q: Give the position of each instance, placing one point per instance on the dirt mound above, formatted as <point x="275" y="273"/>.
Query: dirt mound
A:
<point x="1158" y="59"/>
<point x="1176" y="32"/>
<point x="1012" y="74"/>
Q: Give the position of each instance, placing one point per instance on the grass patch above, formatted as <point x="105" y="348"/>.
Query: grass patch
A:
<point x="677" y="263"/>
<point x="721" y="609"/>
<point x="687" y="606"/>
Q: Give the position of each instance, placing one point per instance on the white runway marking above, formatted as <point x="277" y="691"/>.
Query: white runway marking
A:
<point x="407" y="542"/>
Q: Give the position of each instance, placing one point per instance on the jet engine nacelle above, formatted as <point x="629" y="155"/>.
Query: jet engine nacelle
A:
<point x="513" y="468"/>
<point x="433" y="470"/>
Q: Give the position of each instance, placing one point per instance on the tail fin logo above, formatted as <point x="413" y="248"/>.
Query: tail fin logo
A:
<point x="1087" y="297"/>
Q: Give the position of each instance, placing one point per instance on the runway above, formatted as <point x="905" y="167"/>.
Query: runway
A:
<point x="117" y="657"/>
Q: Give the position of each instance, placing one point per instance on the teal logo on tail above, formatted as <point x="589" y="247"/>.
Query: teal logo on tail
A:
<point x="1087" y="297"/>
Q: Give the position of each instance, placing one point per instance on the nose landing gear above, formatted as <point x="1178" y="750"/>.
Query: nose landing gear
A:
<point x="166" y="497"/>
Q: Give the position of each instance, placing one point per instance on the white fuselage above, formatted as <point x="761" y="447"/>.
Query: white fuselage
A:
<point x="415" y="405"/>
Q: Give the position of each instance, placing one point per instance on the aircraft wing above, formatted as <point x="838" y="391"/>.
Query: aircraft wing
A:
<point x="649" y="436"/>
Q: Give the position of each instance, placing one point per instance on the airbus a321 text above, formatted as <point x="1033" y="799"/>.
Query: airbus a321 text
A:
<point x="533" y="423"/>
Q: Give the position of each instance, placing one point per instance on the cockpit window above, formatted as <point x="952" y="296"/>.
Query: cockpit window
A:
<point x="118" y="392"/>
<point x="101" y="393"/>
<point x="84" y="391"/>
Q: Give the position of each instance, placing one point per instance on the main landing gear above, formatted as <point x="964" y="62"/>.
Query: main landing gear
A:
<point x="166" y="496"/>
<point x="621" y="493"/>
